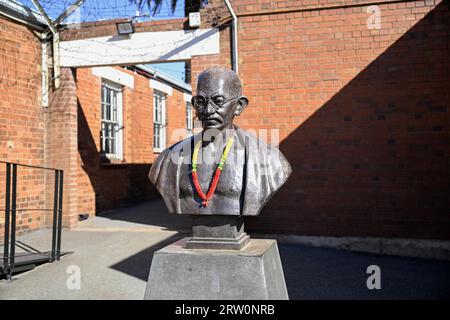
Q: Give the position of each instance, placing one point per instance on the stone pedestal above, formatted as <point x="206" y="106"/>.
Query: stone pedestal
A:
<point x="218" y="232"/>
<point x="252" y="273"/>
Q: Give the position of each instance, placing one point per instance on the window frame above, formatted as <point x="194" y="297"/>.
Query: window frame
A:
<point x="189" y="119"/>
<point x="114" y="120"/>
<point x="159" y="122"/>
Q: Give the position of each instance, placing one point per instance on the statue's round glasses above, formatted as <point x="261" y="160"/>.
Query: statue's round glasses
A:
<point x="201" y="102"/>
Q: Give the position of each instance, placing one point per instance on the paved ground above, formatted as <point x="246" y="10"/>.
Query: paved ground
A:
<point x="114" y="252"/>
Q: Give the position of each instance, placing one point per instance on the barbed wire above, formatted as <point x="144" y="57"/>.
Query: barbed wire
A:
<point x="214" y="10"/>
<point x="97" y="10"/>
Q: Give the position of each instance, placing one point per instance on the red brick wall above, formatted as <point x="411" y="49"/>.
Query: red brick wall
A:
<point x="22" y="121"/>
<point x="66" y="134"/>
<point x="61" y="142"/>
<point x="362" y="114"/>
<point x="107" y="186"/>
<point x="31" y="134"/>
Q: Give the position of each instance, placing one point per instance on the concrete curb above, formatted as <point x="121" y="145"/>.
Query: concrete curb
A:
<point x="417" y="248"/>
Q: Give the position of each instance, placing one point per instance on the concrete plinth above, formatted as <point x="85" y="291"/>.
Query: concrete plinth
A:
<point x="252" y="273"/>
<point x="218" y="232"/>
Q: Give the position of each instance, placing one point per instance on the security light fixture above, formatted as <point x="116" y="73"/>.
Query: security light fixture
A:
<point x="125" y="28"/>
<point x="194" y="19"/>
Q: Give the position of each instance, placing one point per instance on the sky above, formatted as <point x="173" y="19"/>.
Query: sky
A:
<point x="94" y="10"/>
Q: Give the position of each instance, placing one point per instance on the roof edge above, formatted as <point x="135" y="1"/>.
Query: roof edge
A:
<point x="158" y="75"/>
<point x="17" y="11"/>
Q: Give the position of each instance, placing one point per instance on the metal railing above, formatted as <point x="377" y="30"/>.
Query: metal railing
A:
<point x="10" y="230"/>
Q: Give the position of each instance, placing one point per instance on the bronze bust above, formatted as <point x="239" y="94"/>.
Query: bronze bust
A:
<point x="251" y="170"/>
<point x="218" y="176"/>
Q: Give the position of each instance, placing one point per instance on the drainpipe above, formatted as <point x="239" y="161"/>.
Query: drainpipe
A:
<point x="45" y="86"/>
<point x="56" y="65"/>
<point x="234" y="37"/>
<point x="54" y="31"/>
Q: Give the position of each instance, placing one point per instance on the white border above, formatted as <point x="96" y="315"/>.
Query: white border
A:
<point x="114" y="75"/>
<point x="154" y="84"/>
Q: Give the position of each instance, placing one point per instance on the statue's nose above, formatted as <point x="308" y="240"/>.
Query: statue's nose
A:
<point x="209" y="108"/>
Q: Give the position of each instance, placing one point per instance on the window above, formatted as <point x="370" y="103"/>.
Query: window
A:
<point x="159" y="121"/>
<point x="112" y="122"/>
<point x="189" y="118"/>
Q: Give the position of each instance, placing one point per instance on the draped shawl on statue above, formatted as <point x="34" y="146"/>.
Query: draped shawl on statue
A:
<point x="265" y="171"/>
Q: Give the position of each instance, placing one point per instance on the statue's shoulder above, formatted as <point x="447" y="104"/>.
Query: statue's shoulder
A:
<point x="264" y="152"/>
<point x="166" y="157"/>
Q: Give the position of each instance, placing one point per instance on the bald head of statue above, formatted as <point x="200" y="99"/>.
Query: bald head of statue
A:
<point x="219" y="98"/>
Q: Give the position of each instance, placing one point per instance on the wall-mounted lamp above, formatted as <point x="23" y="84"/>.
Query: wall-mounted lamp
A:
<point x="194" y="19"/>
<point x="125" y="28"/>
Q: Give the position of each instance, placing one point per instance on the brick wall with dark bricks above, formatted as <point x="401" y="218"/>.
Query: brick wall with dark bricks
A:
<point x="362" y="114"/>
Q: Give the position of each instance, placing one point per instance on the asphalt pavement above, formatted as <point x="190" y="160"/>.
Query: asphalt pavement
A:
<point x="112" y="256"/>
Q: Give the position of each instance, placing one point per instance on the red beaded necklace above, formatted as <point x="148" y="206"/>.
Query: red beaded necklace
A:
<point x="215" y="181"/>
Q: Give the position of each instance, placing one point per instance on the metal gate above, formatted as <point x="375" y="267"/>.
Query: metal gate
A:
<point x="13" y="261"/>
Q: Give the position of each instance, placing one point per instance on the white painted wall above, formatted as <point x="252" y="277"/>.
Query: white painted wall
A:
<point x="114" y="75"/>
<point x="139" y="48"/>
<point x="154" y="84"/>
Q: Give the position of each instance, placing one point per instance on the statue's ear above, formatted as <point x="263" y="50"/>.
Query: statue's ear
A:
<point x="193" y="105"/>
<point x="242" y="104"/>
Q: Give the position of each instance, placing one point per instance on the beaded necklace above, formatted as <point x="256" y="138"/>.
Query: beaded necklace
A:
<point x="215" y="180"/>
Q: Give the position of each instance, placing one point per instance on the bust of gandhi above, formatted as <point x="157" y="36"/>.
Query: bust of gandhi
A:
<point x="223" y="170"/>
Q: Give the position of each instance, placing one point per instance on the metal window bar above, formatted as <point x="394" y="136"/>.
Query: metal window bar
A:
<point x="110" y="123"/>
<point x="10" y="243"/>
<point x="189" y="116"/>
<point x="159" y="120"/>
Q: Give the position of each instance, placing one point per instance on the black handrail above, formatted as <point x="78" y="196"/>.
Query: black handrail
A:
<point x="11" y="212"/>
<point x="29" y="166"/>
<point x="7" y="203"/>
<point x="12" y="248"/>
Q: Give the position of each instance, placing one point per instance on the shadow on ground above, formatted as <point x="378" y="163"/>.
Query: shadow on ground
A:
<point x="151" y="213"/>
<point x="322" y="273"/>
<point x="138" y="265"/>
